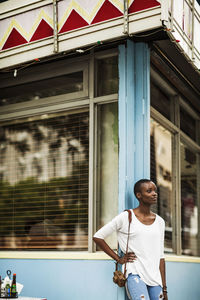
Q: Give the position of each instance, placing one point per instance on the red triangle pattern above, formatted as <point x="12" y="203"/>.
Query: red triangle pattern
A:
<point x="43" y="30"/>
<point x="14" y="39"/>
<point x="138" y="5"/>
<point x="106" y="12"/>
<point x="74" y="21"/>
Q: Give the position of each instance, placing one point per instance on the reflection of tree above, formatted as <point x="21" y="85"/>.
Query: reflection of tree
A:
<point x="71" y="130"/>
<point x="32" y="200"/>
<point x="69" y="127"/>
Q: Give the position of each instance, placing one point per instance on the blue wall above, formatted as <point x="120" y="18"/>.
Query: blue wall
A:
<point x="183" y="280"/>
<point x="91" y="279"/>
<point x="63" y="279"/>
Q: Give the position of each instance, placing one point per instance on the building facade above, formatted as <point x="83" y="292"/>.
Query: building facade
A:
<point x="95" y="95"/>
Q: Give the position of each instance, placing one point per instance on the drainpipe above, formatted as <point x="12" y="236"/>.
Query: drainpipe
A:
<point x="126" y="31"/>
<point x="55" y="27"/>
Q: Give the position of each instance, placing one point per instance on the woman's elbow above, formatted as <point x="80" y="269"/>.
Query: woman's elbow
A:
<point x="97" y="240"/>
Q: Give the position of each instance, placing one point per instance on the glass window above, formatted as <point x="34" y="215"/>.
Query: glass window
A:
<point x="44" y="158"/>
<point x="37" y="90"/>
<point x="161" y="174"/>
<point x="189" y="206"/>
<point x="160" y="101"/>
<point x="107" y="165"/>
<point x="175" y="168"/>
<point x="44" y="183"/>
<point x="107" y="76"/>
<point x="188" y="124"/>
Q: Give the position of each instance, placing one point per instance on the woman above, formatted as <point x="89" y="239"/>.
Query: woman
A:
<point x="145" y="258"/>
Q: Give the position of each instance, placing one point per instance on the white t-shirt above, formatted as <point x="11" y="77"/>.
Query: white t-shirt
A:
<point x="146" y="241"/>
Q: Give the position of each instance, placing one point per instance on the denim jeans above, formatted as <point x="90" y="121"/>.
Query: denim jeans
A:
<point x="138" y="290"/>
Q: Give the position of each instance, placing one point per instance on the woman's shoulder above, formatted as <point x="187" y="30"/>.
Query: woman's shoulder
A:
<point x="122" y="217"/>
<point x="160" y="219"/>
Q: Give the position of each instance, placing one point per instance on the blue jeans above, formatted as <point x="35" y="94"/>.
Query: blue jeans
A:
<point x="138" y="290"/>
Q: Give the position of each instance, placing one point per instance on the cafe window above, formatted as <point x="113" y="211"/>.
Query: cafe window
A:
<point x="160" y="101"/>
<point x="37" y="90"/>
<point x="107" y="76"/>
<point x="187" y="124"/>
<point x="49" y="149"/>
<point x="175" y="168"/>
<point x="44" y="183"/>
<point x="36" y="86"/>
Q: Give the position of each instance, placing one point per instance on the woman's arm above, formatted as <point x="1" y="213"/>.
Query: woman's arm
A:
<point x="129" y="257"/>
<point x="163" y="276"/>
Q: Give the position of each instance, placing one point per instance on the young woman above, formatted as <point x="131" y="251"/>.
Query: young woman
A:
<point x="145" y="261"/>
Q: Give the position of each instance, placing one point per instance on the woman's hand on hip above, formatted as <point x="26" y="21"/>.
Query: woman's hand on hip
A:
<point x="129" y="257"/>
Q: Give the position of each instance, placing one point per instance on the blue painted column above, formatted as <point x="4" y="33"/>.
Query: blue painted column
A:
<point x="134" y="119"/>
<point x="134" y="122"/>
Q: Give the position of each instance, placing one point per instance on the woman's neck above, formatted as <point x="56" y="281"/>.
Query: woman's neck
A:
<point x="143" y="210"/>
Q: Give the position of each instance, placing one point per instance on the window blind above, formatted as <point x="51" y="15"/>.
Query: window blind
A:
<point x="44" y="183"/>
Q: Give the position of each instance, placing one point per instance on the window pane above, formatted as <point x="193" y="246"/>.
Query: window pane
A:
<point x="160" y="101"/>
<point x="161" y="174"/>
<point x="188" y="124"/>
<point x="107" y="76"/>
<point x="44" y="183"/>
<point x="107" y="181"/>
<point x="36" y="90"/>
<point x="189" y="206"/>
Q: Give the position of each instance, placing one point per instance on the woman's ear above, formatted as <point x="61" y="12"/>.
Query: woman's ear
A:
<point x="138" y="195"/>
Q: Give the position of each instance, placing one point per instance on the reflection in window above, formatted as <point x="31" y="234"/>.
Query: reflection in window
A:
<point x="44" y="183"/>
<point x="37" y="90"/>
<point x="107" y="76"/>
<point x="161" y="174"/>
<point x="189" y="209"/>
<point x="107" y="181"/>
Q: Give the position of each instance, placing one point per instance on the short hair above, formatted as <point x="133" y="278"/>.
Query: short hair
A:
<point x="137" y="186"/>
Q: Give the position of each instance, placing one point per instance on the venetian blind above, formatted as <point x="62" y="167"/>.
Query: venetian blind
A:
<point x="44" y="183"/>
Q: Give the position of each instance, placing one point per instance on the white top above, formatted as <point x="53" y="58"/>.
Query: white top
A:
<point x="146" y="241"/>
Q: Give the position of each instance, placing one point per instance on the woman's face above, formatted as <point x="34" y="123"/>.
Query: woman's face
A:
<point x="148" y="193"/>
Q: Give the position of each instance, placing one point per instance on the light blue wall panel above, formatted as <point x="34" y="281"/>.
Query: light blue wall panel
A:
<point x="89" y="280"/>
<point x="183" y="280"/>
<point x="134" y="119"/>
<point x="64" y="279"/>
<point x="142" y="111"/>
